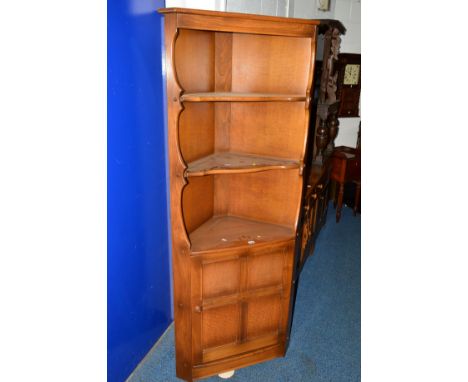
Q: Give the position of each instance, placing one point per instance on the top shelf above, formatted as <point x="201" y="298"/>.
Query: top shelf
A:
<point x="245" y="16"/>
<point x="241" y="97"/>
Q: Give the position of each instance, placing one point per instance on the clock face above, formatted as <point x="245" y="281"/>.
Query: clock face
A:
<point x="351" y="74"/>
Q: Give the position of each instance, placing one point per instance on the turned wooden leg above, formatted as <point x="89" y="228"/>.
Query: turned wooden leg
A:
<point x="333" y="124"/>
<point x="335" y="194"/>
<point x="357" y="197"/>
<point x="340" y="202"/>
<point x="321" y="140"/>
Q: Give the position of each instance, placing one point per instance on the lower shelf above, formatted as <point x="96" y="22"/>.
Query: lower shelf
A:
<point x="231" y="231"/>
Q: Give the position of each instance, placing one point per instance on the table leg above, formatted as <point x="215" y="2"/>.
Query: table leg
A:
<point x="340" y="202"/>
<point x="357" y="198"/>
<point x="335" y="194"/>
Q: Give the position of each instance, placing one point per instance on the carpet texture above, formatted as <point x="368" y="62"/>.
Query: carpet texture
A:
<point x="326" y="331"/>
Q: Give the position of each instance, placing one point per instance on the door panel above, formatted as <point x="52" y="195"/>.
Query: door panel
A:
<point x="263" y="316"/>
<point x="265" y="269"/>
<point x="220" y="325"/>
<point x="220" y="278"/>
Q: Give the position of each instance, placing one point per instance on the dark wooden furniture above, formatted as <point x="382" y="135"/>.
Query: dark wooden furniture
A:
<point x="315" y="209"/>
<point x="323" y="130"/>
<point x="239" y="100"/>
<point x="346" y="167"/>
<point x="349" y="84"/>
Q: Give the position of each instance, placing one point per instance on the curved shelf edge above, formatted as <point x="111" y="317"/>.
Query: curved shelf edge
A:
<point x="240" y="170"/>
<point x="235" y="163"/>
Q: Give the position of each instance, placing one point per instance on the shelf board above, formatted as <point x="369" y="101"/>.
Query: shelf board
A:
<point x="231" y="231"/>
<point x="230" y="162"/>
<point x="241" y="97"/>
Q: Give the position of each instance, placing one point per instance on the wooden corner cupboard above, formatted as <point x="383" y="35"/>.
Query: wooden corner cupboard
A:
<point x="238" y="99"/>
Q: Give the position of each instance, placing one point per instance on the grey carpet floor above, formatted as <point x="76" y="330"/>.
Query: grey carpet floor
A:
<point x="325" y="337"/>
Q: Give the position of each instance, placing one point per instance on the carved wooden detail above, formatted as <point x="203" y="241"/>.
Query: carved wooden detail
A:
<point x="333" y="125"/>
<point x="321" y="138"/>
<point x="327" y="108"/>
<point x="317" y="166"/>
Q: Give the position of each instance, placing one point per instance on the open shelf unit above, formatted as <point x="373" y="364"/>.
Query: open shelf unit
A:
<point x="209" y="201"/>
<point x="238" y="114"/>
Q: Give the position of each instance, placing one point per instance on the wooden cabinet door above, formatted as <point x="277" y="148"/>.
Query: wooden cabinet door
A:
<point x="308" y="226"/>
<point x="322" y="206"/>
<point x="305" y="229"/>
<point x="240" y="301"/>
<point x="323" y="200"/>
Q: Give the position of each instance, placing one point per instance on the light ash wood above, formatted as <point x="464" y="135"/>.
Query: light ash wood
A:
<point x="197" y="120"/>
<point x="268" y="128"/>
<point x="238" y="97"/>
<point x="240" y="17"/>
<point x="195" y="74"/>
<point x="270" y="196"/>
<point x="232" y="320"/>
<point x="222" y="83"/>
<point x="198" y="201"/>
<point x="212" y="195"/>
<point x="257" y="60"/>
<point x="180" y="242"/>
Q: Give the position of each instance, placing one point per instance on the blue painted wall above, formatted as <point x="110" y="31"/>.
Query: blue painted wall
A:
<point x="138" y="284"/>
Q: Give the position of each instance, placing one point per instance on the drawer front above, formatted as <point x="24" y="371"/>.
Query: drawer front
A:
<point x="353" y="169"/>
<point x="338" y="171"/>
<point x="308" y="225"/>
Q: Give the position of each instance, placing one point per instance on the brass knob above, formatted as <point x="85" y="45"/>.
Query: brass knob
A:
<point x="198" y="309"/>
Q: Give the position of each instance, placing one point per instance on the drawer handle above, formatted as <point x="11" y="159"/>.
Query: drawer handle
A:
<point x="198" y="309"/>
<point x="319" y="186"/>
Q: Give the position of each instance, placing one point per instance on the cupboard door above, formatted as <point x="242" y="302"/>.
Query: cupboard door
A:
<point x="324" y="201"/>
<point x="239" y="301"/>
<point x="306" y="228"/>
<point x="322" y="206"/>
<point x="313" y="214"/>
<point x="319" y="209"/>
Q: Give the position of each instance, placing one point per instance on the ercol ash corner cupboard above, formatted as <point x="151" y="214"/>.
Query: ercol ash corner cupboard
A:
<point x="238" y="98"/>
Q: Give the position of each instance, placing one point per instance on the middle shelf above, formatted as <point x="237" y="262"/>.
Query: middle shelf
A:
<point x="231" y="162"/>
<point x="241" y="97"/>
